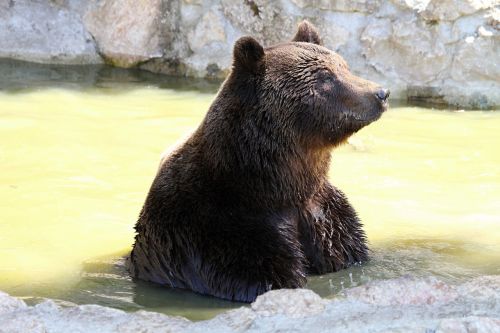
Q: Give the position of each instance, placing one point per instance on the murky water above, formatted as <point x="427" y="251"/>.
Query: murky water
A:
<point x="79" y="149"/>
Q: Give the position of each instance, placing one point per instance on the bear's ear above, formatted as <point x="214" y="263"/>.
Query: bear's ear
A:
<point x="307" y="33"/>
<point x="248" y="55"/>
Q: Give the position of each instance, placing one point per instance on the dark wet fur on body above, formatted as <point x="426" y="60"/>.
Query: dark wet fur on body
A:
<point x="244" y="205"/>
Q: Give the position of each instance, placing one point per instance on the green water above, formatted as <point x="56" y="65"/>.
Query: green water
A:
<point x="79" y="149"/>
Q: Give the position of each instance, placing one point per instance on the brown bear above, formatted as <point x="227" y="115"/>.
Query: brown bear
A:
<point x="244" y="205"/>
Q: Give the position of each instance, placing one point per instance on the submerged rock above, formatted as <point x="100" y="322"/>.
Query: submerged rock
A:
<point x="405" y="305"/>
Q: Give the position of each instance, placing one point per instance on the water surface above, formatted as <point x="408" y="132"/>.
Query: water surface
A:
<point x="79" y="149"/>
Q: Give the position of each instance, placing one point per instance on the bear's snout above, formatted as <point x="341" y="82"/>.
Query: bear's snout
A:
<point x="383" y="94"/>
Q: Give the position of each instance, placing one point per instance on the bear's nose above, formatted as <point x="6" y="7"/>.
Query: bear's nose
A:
<point x="383" y="94"/>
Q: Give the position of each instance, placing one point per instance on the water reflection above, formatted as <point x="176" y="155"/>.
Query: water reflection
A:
<point x="21" y="76"/>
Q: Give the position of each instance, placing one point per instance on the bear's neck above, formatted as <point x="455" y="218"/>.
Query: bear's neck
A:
<point x="256" y="166"/>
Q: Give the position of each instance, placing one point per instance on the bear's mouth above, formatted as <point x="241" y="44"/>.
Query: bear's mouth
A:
<point x="365" y="117"/>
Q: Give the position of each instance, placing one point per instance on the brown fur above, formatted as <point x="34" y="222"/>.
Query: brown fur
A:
<point x="244" y="205"/>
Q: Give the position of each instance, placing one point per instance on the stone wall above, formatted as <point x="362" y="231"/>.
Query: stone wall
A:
<point x="432" y="50"/>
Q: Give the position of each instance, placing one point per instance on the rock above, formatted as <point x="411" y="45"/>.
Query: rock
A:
<point x="404" y="291"/>
<point x="365" y="6"/>
<point x="260" y="20"/>
<point x="235" y="320"/>
<point x="443" y="51"/>
<point x="335" y="36"/>
<point x="469" y="324"/>
<point x="450" y="10"/>
<point x="493" y="18"/>
<point x="208" y="42"/>
<point x="424" y="94"/>
<point x="405" y="304"/>
<point x="475" y="82"/>
<point x="44" y="32"/>
<point x="445" y="10"/>
<point x="144" y="321"/>
<point x="292" y="303"/>
<point x="485" y="289"/>
<point x="418" y="54"/>
<point x="49" y="317"/>
<point x="126" y="32"/>
<point x="9" y="304"/>
<point x="466" y="66"/>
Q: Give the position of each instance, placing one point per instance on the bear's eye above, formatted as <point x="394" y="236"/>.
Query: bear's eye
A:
<point x="325" y="82"/>
<point x="326" y="87"/>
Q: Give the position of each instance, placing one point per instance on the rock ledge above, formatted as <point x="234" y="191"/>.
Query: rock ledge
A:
<point x="405" y="305"/>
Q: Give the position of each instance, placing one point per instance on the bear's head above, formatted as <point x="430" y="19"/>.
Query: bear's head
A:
<point x="304" y="88"/>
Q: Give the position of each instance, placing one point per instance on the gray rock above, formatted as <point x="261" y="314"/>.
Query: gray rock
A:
<point x="301" y="303"/>
<point x="365" y="6"/>
<point x="126" y="32"/>
<point x="44" y="32"/>
<point x="9" y="304"/>
<point x="469" y="324"/>
<point x="450" y="10"/>
<point x="428" y="50"/>
<point x="399" y="305"/>
<point x="417" y="54"/>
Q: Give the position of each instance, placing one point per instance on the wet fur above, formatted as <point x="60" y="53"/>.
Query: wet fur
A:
<point x="244" y="205"/>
